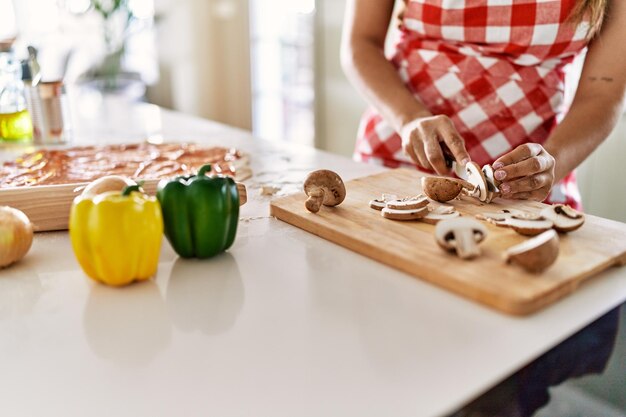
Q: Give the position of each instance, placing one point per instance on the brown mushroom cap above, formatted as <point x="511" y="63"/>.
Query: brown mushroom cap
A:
<point x="565" y="218"/>
<point x="462" y="235"/>
<point x="536" y="254"/>
<point x="443" y="189"/>
<point x="323" y="187"/>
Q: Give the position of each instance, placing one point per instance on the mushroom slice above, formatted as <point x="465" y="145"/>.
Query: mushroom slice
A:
<point x="496" y="218"/>
<point x="492" y="184"/>
<point x="565" y="218"/>
<point x="393" y="214"/>
<point x="459" y="170"/>
<point x="377" y="204"/>
<point x="437" y="214"/>
<point x="528" y="227"/>
<point x="443" y="189"/>
<point x="524" y="215"/>
<point x="476" y="177"/>
<point x="323" y="187"/>
<point x="461" y="235"/>
<point x="408" y="203"/>
<point x="536" y="254"/>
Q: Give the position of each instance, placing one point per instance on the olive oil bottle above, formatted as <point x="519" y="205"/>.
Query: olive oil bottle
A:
<point x="15" y="121"/>
<point x="16" y="126"/>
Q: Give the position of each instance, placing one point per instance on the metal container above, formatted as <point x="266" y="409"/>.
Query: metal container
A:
<point x="49" y="113"/>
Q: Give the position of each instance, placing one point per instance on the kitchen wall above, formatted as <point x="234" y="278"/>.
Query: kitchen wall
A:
<point x="602" y="177"/>
<point x="204" y="59"/>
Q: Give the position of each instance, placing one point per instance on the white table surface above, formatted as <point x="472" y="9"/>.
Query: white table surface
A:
<point x="284" y="324"/>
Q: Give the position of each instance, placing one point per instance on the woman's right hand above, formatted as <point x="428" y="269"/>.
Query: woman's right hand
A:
<point x="422" y="140"/>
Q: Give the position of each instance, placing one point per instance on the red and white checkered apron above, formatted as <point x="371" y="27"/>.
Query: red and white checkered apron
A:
<point x="495" y="67"/>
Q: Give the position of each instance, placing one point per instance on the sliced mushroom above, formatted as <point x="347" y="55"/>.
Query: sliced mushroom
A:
<point x="536" y="254"/>
<point x="381" y="203"/>
<point x="495" y="218"/>
<point x="461" y="235"/>
<point x="377" y="204"/>
<point x="476" y="177"/>
<point x="408" y="203"/>
<point x="323" y="187"/>
<point x="459" y="170"/>
<point x="524" y="223"/>
<point x="528" y="227"/>
<point x="443" y="189"/>
<point x="441" y="213"/>
<point x="413" y="214"/>
<point x="565" y="218"/>
<point x="492" y="184"/>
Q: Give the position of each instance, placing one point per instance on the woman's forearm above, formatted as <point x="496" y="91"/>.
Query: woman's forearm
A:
<point x="587" y="124"/>
<point x="377" y="79"/>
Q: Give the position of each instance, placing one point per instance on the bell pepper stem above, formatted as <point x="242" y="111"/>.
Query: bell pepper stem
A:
<point x="130" y="189"/>
<point x="204" y="169"/>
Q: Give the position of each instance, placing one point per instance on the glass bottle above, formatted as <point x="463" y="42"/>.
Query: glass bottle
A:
<point x="15" y="122"/>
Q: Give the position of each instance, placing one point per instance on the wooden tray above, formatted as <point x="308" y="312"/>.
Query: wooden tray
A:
<point x="410" y="246"/>
<point x="48" y="206"/>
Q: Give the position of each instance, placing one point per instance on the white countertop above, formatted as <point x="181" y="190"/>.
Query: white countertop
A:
<point x="284" y="324"/>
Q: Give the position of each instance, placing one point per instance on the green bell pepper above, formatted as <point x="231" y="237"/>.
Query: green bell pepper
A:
<point x="200" y="213"/>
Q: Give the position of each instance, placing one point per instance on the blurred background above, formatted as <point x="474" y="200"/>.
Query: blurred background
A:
<point x="269" y="66"/>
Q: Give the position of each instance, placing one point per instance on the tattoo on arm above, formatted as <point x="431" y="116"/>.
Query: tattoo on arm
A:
<point x="604" y="79"/>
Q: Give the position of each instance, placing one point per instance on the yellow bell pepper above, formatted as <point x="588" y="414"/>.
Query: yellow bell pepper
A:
<point x="116" y="236"/>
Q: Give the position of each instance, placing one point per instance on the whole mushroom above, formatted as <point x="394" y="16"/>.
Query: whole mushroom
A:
<point x="323" y="187"/>
<point x="461" y="235"/>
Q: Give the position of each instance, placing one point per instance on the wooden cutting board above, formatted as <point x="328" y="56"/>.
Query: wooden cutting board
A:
<point x="48" y="206"/>
<point x="410" y="246"/>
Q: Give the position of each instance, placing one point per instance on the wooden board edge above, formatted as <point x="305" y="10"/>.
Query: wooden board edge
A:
<point x="58" y="215"/>
<point x="505" y="305"/>
<point x="515" y="306"/>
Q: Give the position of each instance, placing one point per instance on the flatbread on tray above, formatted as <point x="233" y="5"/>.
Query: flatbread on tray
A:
<point x="144" y="161"/>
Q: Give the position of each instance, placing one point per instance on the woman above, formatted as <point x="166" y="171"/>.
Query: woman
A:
<point x="486" y="79"/>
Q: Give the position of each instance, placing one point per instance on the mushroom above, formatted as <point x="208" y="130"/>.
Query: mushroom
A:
<point x="565" y="218"/>
<point x="381" y="203"/>
<point x="437" y="214"/>
<point x="443" y="189"/>
<point x="476" y="177"/>
<point x="377" y="204"/>
<point x="528" y="224"/>
<point x="496" y="218"/>
<point x="536" y="254"/>
<point x="492" y="183"/>
<point x="408" y="203"/>
<point x="323" y="187"/>
<point x="404" y="215"/>
<point x="461" y="235"/>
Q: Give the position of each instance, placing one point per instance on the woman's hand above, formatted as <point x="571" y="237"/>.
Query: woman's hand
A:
<point x="422" y="140"/>
<point x="526" y="173"/>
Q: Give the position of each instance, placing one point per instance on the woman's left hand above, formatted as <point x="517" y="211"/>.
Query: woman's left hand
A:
<point x="525" y="173"/>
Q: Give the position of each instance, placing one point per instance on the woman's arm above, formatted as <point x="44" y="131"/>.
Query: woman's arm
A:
<point x="599" y="99"/>
<point x="595" y="111"/>
<point x="363" y="60"/>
